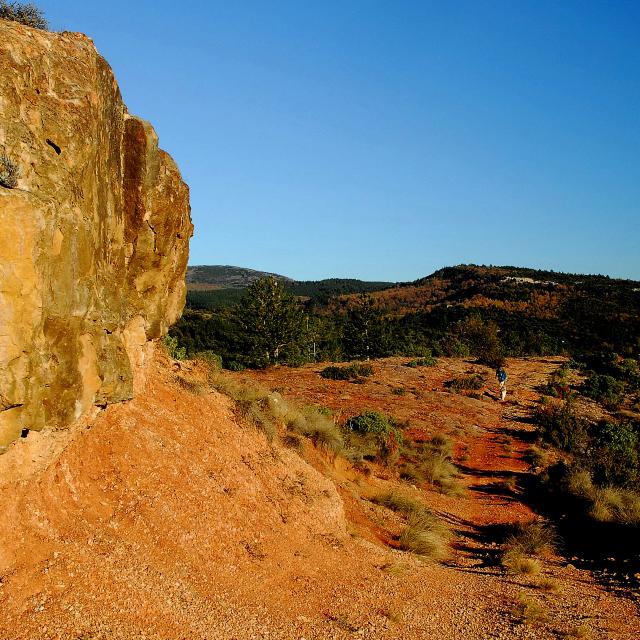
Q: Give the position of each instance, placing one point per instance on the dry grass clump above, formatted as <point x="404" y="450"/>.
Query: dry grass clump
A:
<point x="531" y="538"/>
<point x="606" y="504"/>
<point x="529" y="610"/>
<point x="437" y="467"/>
<point x="612" y="504"/>
<point x="315" y="424"/>
<point x="424" y="534"/>
<point x="537" y="457"/>
<point x="192" y="386"/>
<point x="579" y="631"/>
<point x="514" y="561"/>
<point x="268" y="410"/>
<point x="535" y="537"/>
<point x="549" y="585"/>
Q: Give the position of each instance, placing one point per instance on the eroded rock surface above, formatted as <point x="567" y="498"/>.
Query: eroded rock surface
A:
<point x="93" y="240"/>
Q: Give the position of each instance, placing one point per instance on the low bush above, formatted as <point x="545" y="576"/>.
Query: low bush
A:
<point x="472" y="382"/>
<point x="560" y="425"/>
<point x="210" y="358"/>
<point x="604" y="389"/>
<point x="353" y="372"/>
<point x="558" y="384"/>
<point x="380" y="429"/>
<point x="613" y="457"/>
<point x="9" y="171"/>
<point x="173" y="350"/>
<point x="24" y="13"/>
<point x="427" y="361"/>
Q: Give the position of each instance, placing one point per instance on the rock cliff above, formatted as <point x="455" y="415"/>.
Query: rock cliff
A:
<point x="93" y="238"/>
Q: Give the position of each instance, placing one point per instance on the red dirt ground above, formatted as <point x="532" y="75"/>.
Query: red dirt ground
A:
<point x="165" y="518"/>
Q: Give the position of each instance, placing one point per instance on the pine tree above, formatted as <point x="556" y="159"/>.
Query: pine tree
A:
<point x="365" y="330"/>
<point x="272" y="321"/>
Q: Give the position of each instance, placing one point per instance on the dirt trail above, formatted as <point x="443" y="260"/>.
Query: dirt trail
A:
<point x="165" y="518"/>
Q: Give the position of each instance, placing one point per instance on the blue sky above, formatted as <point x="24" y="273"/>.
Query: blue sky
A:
<point x="385" y="139"/>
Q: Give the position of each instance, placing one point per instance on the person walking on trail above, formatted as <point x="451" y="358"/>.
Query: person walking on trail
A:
<point x="501" y="374"/>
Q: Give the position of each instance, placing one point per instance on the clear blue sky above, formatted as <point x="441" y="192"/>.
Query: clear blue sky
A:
<point x="385" y="139"/>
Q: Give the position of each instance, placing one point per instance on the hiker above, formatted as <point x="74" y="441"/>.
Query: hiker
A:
<point x="501" y="374"/>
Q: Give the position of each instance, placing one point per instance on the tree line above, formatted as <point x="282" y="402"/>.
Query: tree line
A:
<point x="270" y="326"/>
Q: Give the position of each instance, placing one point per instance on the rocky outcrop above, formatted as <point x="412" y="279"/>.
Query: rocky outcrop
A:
<point x="93" y="239"/>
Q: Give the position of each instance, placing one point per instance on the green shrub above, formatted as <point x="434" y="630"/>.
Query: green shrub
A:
<point x="24" y="13"/>
<point x="427" y="361"/>
<point x="9" y="171"/>
<point x="173" y="350"/>
<point x="482" y="340"/>
<point x="558" y="384"/>
<point x="630" y="373"/>
<point x="560" y="425"/>
<point x="376" y="426"/>
<point x="355" y="371"/>
<point x="614" y="456"/>
<point x="235" y="366"/>
<point x="453" y="346"/>
<point x="604" y="389"/>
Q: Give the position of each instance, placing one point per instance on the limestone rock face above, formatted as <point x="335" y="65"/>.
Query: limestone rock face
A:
<point x="93" y="240"/>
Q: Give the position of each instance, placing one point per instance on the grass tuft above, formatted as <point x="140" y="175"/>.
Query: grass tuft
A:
<point x="517" y="563"/>
<point x="424" y="534"/>
<point x="529" y="610"/>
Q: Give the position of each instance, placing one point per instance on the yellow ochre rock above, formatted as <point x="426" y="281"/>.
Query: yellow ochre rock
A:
<point x="94" y="238"/>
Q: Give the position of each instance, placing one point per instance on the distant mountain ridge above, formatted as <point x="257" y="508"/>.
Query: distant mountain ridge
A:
<point x="216" y="286"/>
<point x="204" y="277"/>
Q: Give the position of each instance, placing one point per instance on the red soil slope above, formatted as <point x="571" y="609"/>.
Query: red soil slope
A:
<point x="165" y="518"/>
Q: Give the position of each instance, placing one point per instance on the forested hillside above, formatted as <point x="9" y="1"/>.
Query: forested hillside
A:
<point x="517" y="312"/>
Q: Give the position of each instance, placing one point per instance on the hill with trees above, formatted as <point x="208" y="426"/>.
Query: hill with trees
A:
<point x="218" y="286"/>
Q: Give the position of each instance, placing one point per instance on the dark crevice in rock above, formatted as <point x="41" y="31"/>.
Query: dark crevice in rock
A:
<point x="54" y="146"/>
<point x="155" y="237"/>
<point x="8" y="407"/>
